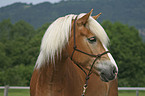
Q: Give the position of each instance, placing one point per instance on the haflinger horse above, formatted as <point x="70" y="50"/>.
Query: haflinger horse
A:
<point x="74" y="60"/>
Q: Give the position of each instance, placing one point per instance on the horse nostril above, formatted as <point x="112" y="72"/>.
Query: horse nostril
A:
<point x="102" y="73"/>
<point x="114" y="71"/>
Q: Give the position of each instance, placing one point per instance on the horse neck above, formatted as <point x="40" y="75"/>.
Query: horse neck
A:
<point x="64" y="75"/>
<point x="65" y="69"/>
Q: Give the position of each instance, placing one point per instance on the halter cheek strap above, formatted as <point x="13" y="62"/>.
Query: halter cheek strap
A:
<point x="92" y="55"/>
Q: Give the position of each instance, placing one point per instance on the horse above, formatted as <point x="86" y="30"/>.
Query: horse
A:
<point x="74" y="60"/>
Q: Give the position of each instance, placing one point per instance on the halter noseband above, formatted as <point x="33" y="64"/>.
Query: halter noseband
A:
<point x="92" y="55"/>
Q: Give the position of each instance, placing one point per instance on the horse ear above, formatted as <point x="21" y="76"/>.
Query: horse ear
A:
<point x="97" y="16"/>
<point x="83" y="20"/>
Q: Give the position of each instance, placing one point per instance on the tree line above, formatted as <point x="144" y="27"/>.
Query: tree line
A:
<point x="126" y="11"/>
<point x="20" y="44"/>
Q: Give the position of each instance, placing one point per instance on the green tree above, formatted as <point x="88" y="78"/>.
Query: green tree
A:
<point x="127" y="47"/>
<point x="5" y="27"/>
<point x="19" y="75"/>
<point x="22" y="29"/>
<point x="15" y="52"/>
<point x="19" y="50"/>
<point x="4" y="60"/>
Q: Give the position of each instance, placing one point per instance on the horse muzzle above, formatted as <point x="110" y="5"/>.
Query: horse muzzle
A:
<point x="107" y="71"/>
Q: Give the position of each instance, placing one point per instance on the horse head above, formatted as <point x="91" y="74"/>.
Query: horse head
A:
<point x="87" y="47"/>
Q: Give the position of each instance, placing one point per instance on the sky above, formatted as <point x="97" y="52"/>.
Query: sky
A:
<point x="8" y="2"/>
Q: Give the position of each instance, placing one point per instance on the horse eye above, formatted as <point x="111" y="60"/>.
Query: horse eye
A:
<point x="92" y="39"/>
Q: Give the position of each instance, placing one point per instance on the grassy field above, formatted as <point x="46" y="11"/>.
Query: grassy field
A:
<point x="19" y="92"/>
<point x="131" y="93"/>
<point x="16" y="92"/>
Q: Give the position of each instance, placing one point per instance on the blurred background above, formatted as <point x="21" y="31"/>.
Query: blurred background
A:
<point x="23" y="23"/>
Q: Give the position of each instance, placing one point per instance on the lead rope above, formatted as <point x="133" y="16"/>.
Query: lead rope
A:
<point x="87" y="78"/>
<point x="90" y="71"/>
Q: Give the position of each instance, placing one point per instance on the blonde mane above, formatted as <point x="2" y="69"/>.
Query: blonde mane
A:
<point x="57" y="36"/>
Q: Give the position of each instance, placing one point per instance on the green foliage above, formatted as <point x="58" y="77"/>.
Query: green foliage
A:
<point x="17" y="75"/>
<point x="19" y="47"/>
<point x="20" y="44"/>
<point x="128" y="50"/>
<point x="21" y="29"/>
<point x="5" y="27"/>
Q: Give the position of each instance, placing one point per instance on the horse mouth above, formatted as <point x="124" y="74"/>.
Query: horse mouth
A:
<point x="107" y="78"/>
<point x="104" y="78"/>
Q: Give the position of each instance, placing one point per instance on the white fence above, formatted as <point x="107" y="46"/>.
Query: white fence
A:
<point x="12" y="87"/>
<point x="137" y="89"/>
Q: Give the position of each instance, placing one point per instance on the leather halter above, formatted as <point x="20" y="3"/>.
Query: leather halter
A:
<point x="92" y="55"/>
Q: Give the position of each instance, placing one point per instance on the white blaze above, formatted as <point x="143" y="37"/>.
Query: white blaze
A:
<point x="111" y="58"/>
